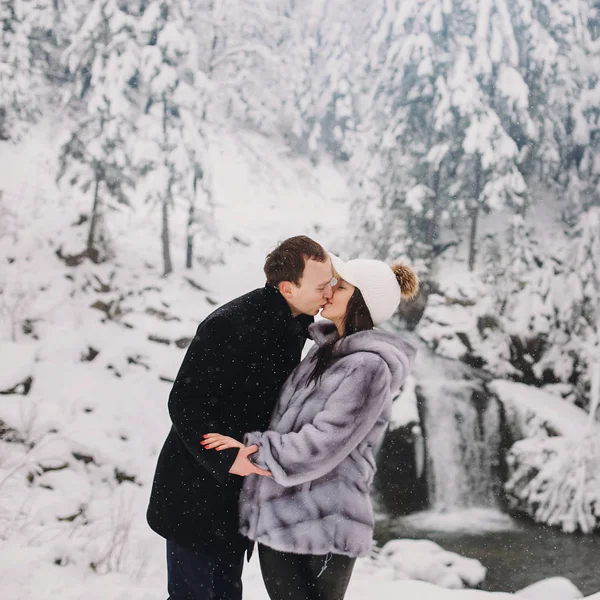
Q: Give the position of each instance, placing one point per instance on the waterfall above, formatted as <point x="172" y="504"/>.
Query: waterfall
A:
<point x="462" y="431"/>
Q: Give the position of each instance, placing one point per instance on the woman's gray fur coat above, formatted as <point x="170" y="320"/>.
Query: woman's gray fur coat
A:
<point x="319" y="448"/>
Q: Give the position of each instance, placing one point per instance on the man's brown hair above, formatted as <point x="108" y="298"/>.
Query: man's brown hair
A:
<point x="287" y="261"/>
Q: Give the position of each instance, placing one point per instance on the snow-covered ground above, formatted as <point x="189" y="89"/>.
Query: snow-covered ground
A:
<point x="77" y="453"/>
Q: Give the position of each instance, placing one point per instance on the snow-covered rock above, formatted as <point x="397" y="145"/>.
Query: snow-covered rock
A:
<point x="425" y="560"/>
<point x="17" y="361"/>
<point x="531" y="411"/>
<point x="554" y="588"/>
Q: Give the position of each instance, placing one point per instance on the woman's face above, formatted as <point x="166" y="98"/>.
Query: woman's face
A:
<point x="335" y="309"/>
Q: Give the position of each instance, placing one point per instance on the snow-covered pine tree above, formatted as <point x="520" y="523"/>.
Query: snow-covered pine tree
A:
<point x="171" y="127"/>
<point x="579" y="169"/>
<point x="514" y="259"/>
<point x="561" y="303"/>
<point x="508" y="74"/>
<point x="403" y="166"/>
<point x="583" y="314"/>
<point x="327" y="75"/>
<point x="438" y="121"/>
<point x="488" y="172"/>
<point x="580" y="161"/>
<point x="240" y="52"/>
<point x="98" y="156"/>
<point x="21" y="79"/>
<point x="33" y="34"/>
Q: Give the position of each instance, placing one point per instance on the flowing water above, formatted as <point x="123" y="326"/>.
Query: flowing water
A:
<point x="516" y="553"/>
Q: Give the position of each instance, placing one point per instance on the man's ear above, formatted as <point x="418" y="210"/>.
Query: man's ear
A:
<point x="286" y="289"/>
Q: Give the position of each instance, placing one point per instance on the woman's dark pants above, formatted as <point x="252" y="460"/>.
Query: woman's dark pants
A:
<point x="304" y="576"/>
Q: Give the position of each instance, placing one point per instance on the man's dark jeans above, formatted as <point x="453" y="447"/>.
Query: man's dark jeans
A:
<point x="198" y="576"/>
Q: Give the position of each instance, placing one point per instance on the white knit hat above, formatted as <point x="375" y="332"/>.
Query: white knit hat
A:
<point x="377" y="282"/>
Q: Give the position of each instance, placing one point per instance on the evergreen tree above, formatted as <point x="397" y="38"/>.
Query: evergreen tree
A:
<point x="33" y="33"/>
<point x="99" y="153"/>
<point x="240" y="53"/>
<point x="512" y="264"/>
<point x="19" y="82"/>
<point x="446" y="151"/>
<point x="327" y="76"/>
<point x="173" y="88"/>
<point x="473" y="103"/>
<point x="584" y="279"/>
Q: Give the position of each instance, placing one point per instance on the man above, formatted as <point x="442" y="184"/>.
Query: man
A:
<point x="229" y="382"/>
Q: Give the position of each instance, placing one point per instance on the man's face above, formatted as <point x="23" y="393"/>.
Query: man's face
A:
<point x="314" y="289"/>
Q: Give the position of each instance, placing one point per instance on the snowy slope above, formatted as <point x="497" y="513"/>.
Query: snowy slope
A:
<point x="77" y="453"/>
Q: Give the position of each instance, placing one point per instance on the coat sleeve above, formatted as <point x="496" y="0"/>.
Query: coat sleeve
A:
<point x="348" y="415"/>
<point x="202" y="390"/>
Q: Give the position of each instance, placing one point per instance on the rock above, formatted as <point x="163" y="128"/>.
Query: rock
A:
<point x="10" y="435"/>
<point x="159" y="340"/>
<point x="161" y="314"/>
<point x="195" y="284"/>
<point x="22" y="388"/>
<point x="426" y="561"/>
<point x="183" y="342"/>
<point x="401" y="489"/>
<point x="17" y="362"/>
<point x="554" y="588"/>
<point x="90" y="354"/>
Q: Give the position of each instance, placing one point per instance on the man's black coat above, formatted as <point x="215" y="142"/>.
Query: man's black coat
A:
<point x="228" y="383"/>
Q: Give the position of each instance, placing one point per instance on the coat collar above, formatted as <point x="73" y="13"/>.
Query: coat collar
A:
<point x="323" y="332"/>
<point x="281" y="309"/>
<point x="394" y="350"/>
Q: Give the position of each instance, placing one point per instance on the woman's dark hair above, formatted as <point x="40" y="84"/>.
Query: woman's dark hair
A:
<point x="357" y="318"/>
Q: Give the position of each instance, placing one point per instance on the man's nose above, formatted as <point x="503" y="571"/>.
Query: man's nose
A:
<point x="328" y="292"/>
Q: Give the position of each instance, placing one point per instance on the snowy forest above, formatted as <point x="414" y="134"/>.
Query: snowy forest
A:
<point x="153" y="151"/>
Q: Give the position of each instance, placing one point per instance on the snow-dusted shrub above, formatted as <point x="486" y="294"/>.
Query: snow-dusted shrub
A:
<point x="557" y="481"/>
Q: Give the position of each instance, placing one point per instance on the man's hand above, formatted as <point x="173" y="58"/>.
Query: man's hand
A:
<point x="242" y="465"/>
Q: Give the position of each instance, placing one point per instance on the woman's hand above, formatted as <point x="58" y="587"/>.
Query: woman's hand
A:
<point x="216" y="441"/>
<point x="242" y="465"/>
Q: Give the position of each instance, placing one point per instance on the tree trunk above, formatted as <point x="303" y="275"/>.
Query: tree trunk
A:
<point x="524" y="209"/>
<point x="475" y="217"/>
<point x="94" y="220"/>
<point x="166" y="201"/>
<point x="473" y="236"/>
<point x="433" y="223"/>
<point x="166" y="243"/>
<point x="189" y="251"/>
<point x="594" y="397"/>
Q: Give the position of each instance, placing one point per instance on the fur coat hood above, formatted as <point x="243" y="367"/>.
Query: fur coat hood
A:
<point x="392" y="349"/>
<point x="320" y="447"/>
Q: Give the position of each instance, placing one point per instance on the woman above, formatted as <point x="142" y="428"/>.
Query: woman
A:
<point x="313" y="517"/>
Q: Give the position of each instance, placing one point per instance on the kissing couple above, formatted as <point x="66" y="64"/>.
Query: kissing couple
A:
<point x="270" y="449"/>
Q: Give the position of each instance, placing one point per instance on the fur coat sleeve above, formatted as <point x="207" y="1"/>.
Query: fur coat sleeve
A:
<point x="348" y="414"/>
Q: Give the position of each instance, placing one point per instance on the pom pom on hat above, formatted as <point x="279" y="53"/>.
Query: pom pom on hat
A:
<point x="408" y="280"/>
